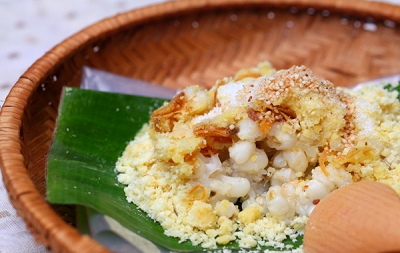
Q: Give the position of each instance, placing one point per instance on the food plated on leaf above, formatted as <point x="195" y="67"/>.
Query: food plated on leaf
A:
<point x="249" y="159"/>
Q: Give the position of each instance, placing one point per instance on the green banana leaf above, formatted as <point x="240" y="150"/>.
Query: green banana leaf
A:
<point x="92" y="130"/>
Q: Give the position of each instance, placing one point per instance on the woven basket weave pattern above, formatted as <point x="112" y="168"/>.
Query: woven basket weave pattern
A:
<point x="178" y="44"/>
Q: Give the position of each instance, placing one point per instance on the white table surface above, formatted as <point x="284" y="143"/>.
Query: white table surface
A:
<point x="29" y="28"/>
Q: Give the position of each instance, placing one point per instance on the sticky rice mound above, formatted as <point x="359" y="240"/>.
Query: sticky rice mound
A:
<point x="248" y="159"/>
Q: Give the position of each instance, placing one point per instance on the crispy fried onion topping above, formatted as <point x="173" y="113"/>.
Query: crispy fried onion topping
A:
<point x="272" y="114"/>
<point x="163" y="118"/>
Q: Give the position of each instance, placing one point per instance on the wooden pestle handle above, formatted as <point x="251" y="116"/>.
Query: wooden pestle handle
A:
<point x="360" y="217"/>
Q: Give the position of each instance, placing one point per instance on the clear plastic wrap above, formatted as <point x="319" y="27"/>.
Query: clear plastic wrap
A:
<point x="94" y="79"/>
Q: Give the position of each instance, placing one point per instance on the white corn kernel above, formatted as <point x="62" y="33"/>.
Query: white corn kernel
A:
<point x="296" y="159"/>
<point x="241" y="151"/>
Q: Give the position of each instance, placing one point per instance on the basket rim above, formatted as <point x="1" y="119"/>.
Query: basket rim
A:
<point x="12" y="161"/>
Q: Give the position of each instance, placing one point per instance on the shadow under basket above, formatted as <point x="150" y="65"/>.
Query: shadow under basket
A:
<point x="177" y="44"/>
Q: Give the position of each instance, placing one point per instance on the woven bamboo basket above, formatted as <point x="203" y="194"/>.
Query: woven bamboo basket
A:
<point x="177" y="44"/>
